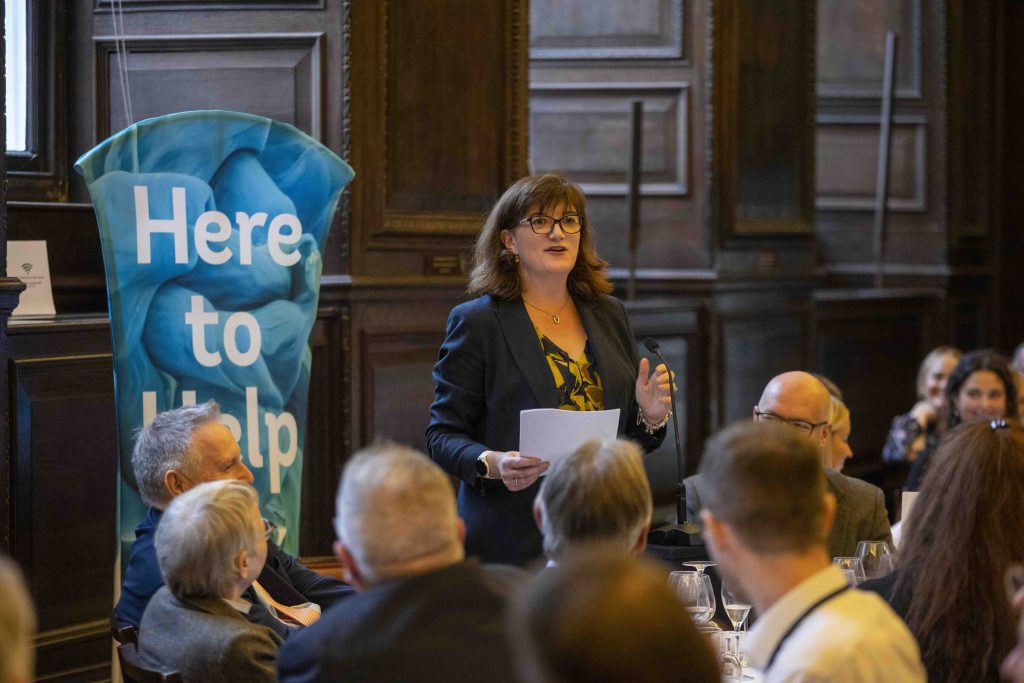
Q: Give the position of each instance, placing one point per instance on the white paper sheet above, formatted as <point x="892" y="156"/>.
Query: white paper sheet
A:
<point x="552" y="435"/>
<point x="909" y="498"/>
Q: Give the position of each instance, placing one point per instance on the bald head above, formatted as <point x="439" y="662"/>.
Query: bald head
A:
<point x="798" y="397"/>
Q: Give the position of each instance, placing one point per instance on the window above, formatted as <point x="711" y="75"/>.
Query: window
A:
<point x="17" y="74"/>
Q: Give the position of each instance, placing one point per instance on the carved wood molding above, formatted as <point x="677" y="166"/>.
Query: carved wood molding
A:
<point x="671" y="47"/>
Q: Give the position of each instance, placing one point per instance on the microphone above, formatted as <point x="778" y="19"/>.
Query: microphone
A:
<point x="682" y="532"/>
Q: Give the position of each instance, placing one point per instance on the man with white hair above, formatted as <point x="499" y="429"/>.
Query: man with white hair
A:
<point x="211" y="545"/>
<point x="422" y="612"/>
<point x="799" y="401"/>
<point x="17" y="626"/>
<point x="183" y="448"/>
<point x="599" y="493"/>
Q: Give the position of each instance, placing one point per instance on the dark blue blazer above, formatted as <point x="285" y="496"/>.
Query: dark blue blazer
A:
<point x="491" y="366"/>
<point x="444" y="626"/>
<point x="284" y="577"/>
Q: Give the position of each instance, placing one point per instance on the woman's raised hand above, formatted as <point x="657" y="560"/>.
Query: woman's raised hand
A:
<point x="652" y="391"/>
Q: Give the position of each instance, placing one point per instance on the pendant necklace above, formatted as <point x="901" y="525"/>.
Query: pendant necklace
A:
<point x="554" y="316"/>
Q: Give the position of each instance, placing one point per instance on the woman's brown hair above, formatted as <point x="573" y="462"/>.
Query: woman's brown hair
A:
<point x="966" y="528"/>
<point x="494" y="268"/>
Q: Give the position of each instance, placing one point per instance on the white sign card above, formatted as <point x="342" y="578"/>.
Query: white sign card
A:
<point x="27" y="261"/>
<point x="551" y="434"/>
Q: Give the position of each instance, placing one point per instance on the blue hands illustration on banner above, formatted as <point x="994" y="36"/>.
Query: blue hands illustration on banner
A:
<point x="212" y="226"/>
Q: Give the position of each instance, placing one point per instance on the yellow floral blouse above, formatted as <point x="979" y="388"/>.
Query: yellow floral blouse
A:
<point x="578" y="381"/>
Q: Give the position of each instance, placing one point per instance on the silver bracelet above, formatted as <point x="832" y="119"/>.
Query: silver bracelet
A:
<point x="648" y="426"/>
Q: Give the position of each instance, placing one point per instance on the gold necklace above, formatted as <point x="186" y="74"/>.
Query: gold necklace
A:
<point x="554" y="316"/>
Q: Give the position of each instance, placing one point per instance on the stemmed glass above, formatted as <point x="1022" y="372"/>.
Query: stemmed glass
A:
<point x="851" y="564"/>
<point x="736" y="608"/>
<point x="699" y="565"/>
<point x="695" y="591"/>
<point x="876" y="556"/>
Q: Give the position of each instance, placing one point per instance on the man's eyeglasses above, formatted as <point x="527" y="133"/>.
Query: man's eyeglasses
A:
<point x="802" y="425"/>
<point x="269" y="531"/>
<point x="543" y="225"/>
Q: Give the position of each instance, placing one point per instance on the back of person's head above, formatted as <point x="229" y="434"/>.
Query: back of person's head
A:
<point x="966" y="528"/>
<point x="928" y="363"/>
<point x="396" y="513"/>
<point x="602" y="617"/>
<point x="17" y="626"/>
<point x="600" y="492"/>
<point x="975" y="361"/>
<point x="165" y="444"/>
<point x="201" y="534"/>
<point x="768" y="484"/>
<point x="832" y="388"/>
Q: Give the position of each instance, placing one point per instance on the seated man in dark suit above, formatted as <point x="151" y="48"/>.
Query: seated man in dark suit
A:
<point x="800" y="401"/>
<point x="182" y="448"/>
<point x="599" y="493"/>
<point x="211" y="544"/>
<point x="423" y="613"/>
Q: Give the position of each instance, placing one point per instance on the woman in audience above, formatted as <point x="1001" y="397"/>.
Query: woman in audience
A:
<point x="965" y="530"/>
<point x="838" y="449"/>
<point x="981" y="386"/>
<point x="211" y="545"/>
<point x="542" y="333"/>
<point x="920" y="430"/>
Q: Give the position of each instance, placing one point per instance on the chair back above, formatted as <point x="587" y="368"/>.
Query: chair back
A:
<point x="122" y="631"/>
<point x="135" y="670"/>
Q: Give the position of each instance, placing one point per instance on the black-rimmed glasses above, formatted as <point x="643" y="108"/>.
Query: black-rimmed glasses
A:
<point x="803" y="425"/>
<point x="570" y="223"/>
<point x="269" y="531"/>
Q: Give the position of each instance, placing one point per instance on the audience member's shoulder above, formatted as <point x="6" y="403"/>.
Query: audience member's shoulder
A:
<point x="504" y="579"/>
<point x="852" y="485"/>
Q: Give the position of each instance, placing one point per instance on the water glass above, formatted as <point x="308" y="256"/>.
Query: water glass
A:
<point x="853" y="564"/>
<point x="876" y="556"/>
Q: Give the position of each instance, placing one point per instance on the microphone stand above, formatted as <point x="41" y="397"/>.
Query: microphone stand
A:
<point x="683" y="532"/>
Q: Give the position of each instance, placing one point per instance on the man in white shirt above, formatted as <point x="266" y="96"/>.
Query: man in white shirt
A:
<point x="767" y="515"/>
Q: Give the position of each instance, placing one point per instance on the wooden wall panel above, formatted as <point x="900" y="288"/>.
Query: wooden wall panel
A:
<point x="847" y="163"/>
<point x="580" y="130"/>
<point x="851" y="47"/>
<point x="577" y="29"/>
<point x="274" y="75"/>
<point x="432" y="159"/>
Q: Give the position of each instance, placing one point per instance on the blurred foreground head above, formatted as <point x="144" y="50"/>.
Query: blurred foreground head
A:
<point x="600" y="617"/>
<point x="17" y="626"/>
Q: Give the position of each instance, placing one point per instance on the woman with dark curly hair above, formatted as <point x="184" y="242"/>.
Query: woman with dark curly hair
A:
<point x="981" y="386"/>
<point x="965" y="530"/>
<point x="542" y="333"/>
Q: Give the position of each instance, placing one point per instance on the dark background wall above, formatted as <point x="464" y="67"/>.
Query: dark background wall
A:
<point x="760" y="150"/>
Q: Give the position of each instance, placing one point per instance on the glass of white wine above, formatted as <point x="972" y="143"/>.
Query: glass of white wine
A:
<point x="736" y="608"/>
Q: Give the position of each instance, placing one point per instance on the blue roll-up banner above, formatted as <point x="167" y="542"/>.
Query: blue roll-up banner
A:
<point x="212" y="225"/>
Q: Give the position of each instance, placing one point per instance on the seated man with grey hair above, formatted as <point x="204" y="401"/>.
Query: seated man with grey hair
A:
<point x="178" y="450"/>
<point x="211" y="544"/>
<point x="17" y="626"/>
<point x="599" y="493"/>
<point x="422" y="612"/>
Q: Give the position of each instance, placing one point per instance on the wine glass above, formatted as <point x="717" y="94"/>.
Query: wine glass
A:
<point x="736" y="608"/>
<point x="699" y="565"/>
<point x="694" y="590"/>
<point x="851" y="564"/>
<point x="876" y="556"/>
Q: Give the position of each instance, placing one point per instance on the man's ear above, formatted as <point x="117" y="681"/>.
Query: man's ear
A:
<point x="538" y="516"/>
<point x="460" y="528"/>
<point x="715" y="531"/>
<point x="175" y="483"/>
<point x="240" y="564"/>
<point x="826" y="434"/>
<point x="641" y="539"/>
<point x="830" y="514"/>
<point x="349" y="567"/>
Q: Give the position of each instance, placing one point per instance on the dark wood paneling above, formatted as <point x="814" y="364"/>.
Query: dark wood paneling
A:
<point x="168" y="5"/>
<point x="63" y="474"/>
<point x="847" y="163"/>
<point x="580" y="130"/>
<point x="578" y="29"/>
<point x="756" y="346"/>
<point x="469" y="135"/>
<point x="274" y="75"/>
<point x="851" y="47"/>
<point x="762" y="162"/>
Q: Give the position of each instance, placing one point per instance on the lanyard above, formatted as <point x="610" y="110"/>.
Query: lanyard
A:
<point x="799" y="620"/>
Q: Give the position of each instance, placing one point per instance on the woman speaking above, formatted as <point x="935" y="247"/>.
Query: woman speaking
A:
<point x="542" y="333"/>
